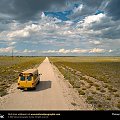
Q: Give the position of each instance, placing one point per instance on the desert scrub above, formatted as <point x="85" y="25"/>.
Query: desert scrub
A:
<point x="76" y="86"/>
<point x="98" y="88"/>
<point x="93" y="92"/>
<point x="111" y="89"/>
<point x="2" y="91"/>
<point x="118" y="105"/>
<point x="105" y="86"/>
<point x="75" y="83"/>
<point x="104" y="79"/>
<point x="116" y="95"/>
<point x="84" y="88"/>
<point x="108" y="98"/>
<point x="89" y="81"/>
<point x="102" y="91"/>
<point x="81" y="92"/>
<point x="100" y="107"/>
<point x="105" y="70"/>
<point x="91" y="84"/>
<point x="90" y="99"/>
<point x="82" y="78"/>
<point x="96" y="85"/>
<point x="114" y="90"/>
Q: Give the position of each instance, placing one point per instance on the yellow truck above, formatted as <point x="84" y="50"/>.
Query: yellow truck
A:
<point x="28" y="79"/>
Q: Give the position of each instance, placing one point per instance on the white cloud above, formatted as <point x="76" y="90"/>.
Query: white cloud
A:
<point x="42" y="15"/>
<point x="78" y="9"/>
<point x="96" y="50"/>
<point x="50" y="51"/>
<point x="63" y="51"/>
<point x="76" y="50"/>
<point x="95" y="42"/>
<point x="19" y="33"/>
<point x="89" y="20"/>
<point x="67" y="32"/>
<point x="11" y="43"/>
<point x="45" y="26"/>
<point x="29" y="51"/>
<point x="6" y="50"/>
<point x="57" y="51"/>
<point x="32" y="28"/>
<point x="110" y="51"/>
<point x="68" y="22"/>
<point x="10" y="49"/>
<point x="93" y="18"/>
<point x="25" y="32"/>
<point x="52" y="32"/>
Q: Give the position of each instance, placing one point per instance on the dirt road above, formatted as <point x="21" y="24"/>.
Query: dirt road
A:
<point x="49" y="94"/>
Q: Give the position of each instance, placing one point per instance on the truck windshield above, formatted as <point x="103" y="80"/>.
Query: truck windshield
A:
<point x="29" y="78"/>
<point x="22" y="78"/>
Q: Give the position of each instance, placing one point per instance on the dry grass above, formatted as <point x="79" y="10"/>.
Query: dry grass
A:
<point x="90" y="99"/>
<point x="81" y="92"/>
<point x="93" y="92"/>
<point x="94" y="77"/>
<point x="101" y="68"/>
<point x="108" y="97"/>
<point x="118" y="105"/>
<point x="102" y="91"/>
<point x="117" y="95"/>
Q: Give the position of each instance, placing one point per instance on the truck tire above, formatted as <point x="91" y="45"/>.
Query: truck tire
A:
<point x="38" y="82"/>
<point x="34" y="88"/>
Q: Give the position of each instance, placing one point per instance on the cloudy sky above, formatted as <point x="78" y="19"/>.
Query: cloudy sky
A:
<point x="60" y="27"/>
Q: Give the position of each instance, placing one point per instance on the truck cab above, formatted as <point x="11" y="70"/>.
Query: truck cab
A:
<point x="28" y="79"/>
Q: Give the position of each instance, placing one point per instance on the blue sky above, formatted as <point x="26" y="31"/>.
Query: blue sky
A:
<point x="66" y="27"/>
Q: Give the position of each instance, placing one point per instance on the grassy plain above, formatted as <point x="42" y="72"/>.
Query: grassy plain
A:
<point x="10" y="67"/>
<point x="95" y="78"/>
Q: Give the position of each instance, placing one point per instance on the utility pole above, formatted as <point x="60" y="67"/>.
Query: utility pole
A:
<point x="12" y="54"/>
